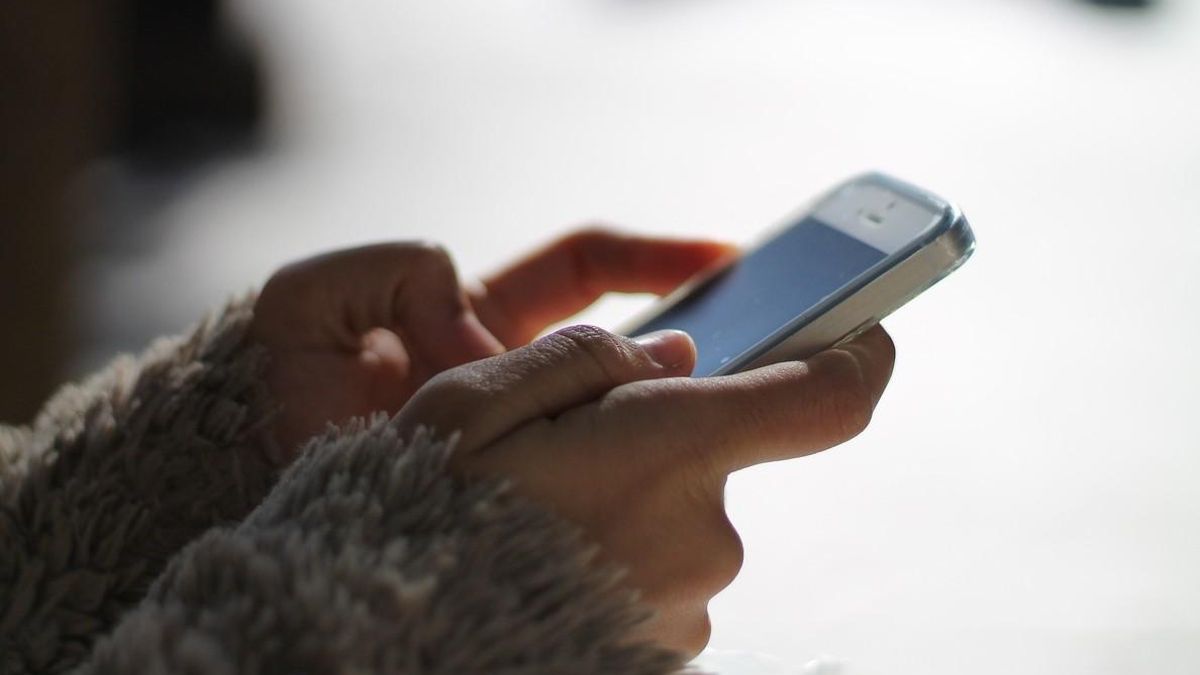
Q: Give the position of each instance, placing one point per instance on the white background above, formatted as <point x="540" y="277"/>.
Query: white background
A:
<point x="1027" y="499"/>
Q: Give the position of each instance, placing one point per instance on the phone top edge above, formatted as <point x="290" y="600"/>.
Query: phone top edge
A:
<point x="903" y="187"/>
<point x="884" y="212"/>
<point x="953" y="219"/>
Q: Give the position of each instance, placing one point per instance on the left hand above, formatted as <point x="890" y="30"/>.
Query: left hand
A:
<point x="358" y="331"/>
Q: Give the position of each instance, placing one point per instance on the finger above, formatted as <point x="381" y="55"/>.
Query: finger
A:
<point x="565" y="277"/>
<point x="434" y="313"/>
<point x="489" y="398"/>
<point x="681" y="577"/>
<point x="772" y="413"/>
<point x="874" y="348"/>
<point x="410" y="289"/>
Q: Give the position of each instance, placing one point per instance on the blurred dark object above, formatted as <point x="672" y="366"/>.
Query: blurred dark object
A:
<point x="191" y="87"/>
<point x="151" y="82"/>
<point x="1123" y="4"/>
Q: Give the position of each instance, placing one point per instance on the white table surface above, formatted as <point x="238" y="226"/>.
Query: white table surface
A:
<point x="1027" y="499"/>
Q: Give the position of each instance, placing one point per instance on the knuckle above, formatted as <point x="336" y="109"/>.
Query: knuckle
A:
<point x="293" y="278"/>
<point x="856" y="413"/>
<point x="450" y="388"/>
<point x="430" y="278"/>
<point x="728" y="554"/>
<point x="875" y="353"/>
<point x="700" y="576"/>
<point x="284" y="275"/>
<point x="887" y="347"/>
<point x="605" y="350"/>
<point x="425" y="255"/>
<point x="276" y="288"/>
<point x="591" y="234"/>
<point x="587" y="251"/>
<point x="430" y="250"/>
<point x="698" y="634"/>
<point x="454" y="400"/>
<point x="848" y="401"/>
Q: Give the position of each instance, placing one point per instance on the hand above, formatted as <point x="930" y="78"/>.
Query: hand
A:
<point x="359" y="331"/>
<point x="608" y="433"/>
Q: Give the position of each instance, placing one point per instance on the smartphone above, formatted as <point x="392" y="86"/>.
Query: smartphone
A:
<point x="857" y="254"/>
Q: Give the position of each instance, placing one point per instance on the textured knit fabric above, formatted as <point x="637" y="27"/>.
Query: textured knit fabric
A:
<point x="135" y="538"/>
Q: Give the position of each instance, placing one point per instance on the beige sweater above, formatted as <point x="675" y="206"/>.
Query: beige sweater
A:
<point x="141" y="533"/>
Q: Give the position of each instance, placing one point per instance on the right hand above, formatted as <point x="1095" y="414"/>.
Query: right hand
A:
<point x="609" y="433"/>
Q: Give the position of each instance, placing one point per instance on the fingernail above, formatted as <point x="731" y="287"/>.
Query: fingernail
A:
<point x="668" y="348"/>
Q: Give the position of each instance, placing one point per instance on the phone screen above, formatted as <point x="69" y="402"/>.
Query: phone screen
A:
<point x="765" y="290"/>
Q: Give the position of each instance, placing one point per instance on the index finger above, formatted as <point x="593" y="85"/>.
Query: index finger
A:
<point x="562" y="279"/>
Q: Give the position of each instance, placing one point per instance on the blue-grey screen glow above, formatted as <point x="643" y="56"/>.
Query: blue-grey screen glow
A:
<point x="765" y="290"/>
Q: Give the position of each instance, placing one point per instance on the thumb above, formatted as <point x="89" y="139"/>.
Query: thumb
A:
<point x="486" y="399"/>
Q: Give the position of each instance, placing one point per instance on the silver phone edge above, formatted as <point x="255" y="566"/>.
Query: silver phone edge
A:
<point x="881" y="296"/>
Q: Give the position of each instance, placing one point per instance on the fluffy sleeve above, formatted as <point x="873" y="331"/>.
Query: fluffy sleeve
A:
<point x="115" y="476"/>
<point x="369" y="557"/>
